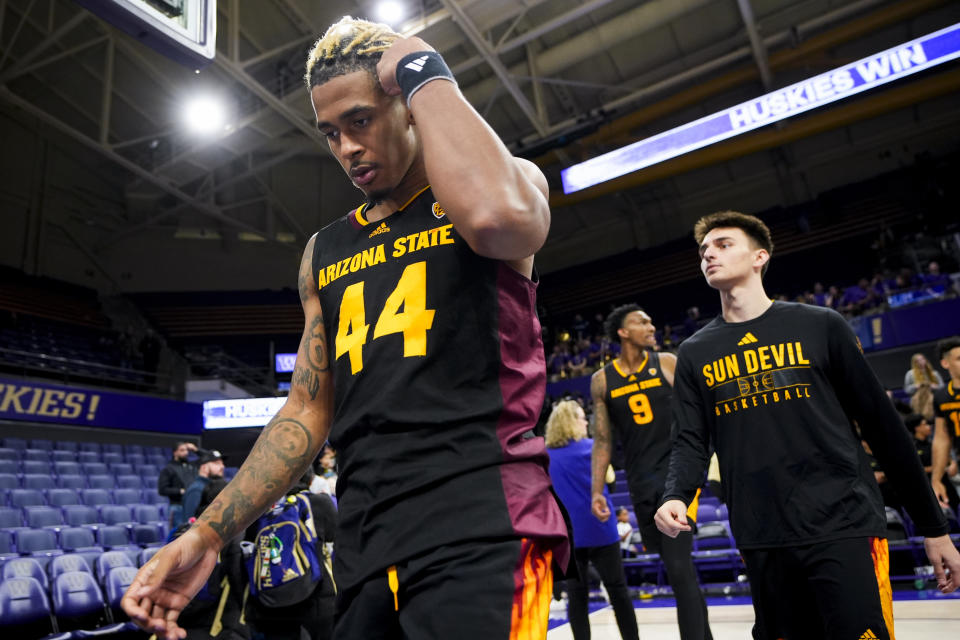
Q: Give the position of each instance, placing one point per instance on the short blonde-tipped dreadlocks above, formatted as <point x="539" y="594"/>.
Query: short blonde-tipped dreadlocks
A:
<point x="349" y="45"/>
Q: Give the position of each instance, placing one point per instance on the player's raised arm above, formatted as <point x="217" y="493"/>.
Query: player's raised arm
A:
<point x="602" y="446"/>
<point x="285" y="448"/>
<point x="498" y="203"/>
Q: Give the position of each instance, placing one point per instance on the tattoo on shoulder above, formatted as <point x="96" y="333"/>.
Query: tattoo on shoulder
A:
<point x="303" y="286"/>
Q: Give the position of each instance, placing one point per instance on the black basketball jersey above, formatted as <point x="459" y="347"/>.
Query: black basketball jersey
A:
<point x="946" y="405"/>
<point x="638" y="403"/>
<point x="439" y="377"/>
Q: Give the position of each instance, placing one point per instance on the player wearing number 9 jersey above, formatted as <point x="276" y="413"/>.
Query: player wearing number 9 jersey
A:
<point x="421" y="360"/>
<point x="632" y="402"/>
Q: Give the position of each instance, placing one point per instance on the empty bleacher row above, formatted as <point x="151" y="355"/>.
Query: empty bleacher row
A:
<point x="76" y="520"/>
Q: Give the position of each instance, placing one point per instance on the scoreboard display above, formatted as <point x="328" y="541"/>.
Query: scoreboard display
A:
<point x="183" y="30"/>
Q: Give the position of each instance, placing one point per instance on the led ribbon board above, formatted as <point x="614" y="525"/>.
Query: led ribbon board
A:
<point x="284" y="362"/>
<point x="901" y="61"/>
<point x="246" y="412"/>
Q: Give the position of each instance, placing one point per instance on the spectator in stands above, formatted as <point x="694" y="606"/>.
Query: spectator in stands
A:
<point x="209" y="467"/>
<point x="625" y="531"/>
<point x="597" y="542"/>
<point x="819" y="295"/>
<point x="933" y="277"/>
<point x="174" y="480"/>
<point x="920" y="382"/>
<point x="328" y="461"/>
<point x="692" y="322"/>
<point x="856" y="298"/>
<point x="833" y="297"/>
<point x="921" y="430"/>
<point x="314" y="614"/>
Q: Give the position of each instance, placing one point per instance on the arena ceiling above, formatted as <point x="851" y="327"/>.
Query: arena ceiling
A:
<point x="559" y="80"/>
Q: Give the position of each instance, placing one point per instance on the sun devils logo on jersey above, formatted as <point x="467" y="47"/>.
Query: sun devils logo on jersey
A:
<point x="438" y="211"/>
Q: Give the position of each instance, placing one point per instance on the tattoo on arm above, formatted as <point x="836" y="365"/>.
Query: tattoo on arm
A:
<point x="308" y="379"/>
<point x="602" y="446"/>
<point x="282" y="452"/>
<point x="314" y="345"/>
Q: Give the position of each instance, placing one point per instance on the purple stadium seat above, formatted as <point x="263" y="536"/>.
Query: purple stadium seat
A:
<point x="147" y="470"/>
<point x="61" y="497"/>
<point x="24" y="608"/>
<point x="95" y="468"/>
<point x="149" y="481"/>
<point x="133" y="449"/>
<point x="74" y="539"/>
<point x="77" y="515"/>
<point x="24" y="568"/>
<point x="65" y="445"/>
<point x="9" y="466"/>
<point x="115" y="514"/>
<point x="112" y="458"/>
<point x="84" y="457"/>
<point x="36" y="455"/>
<point x="150" y="496"/>
<point x="147" y="535"/>
<point x="77" y="600"/>
<point x="91" y="447"/>
<point x="113" y="536"/>
<point x="15" y="443"/>
<point x="126" y="496"/>
<point x="112" y="447"/>
<point x="7" y="453"/>
<point x="27" y="498"/>
<point x="63" y="456"/>
<point x="145" y="554"/>
<point x="128" y="482"/>
<point x="72" y="482"/>
<point x="67" y="468"/>
<point x="137" y="460"/>
<point x="44" y="445"/>
<point x="9" y="481"/>
<point x="35" y="466"/>
<point x="620" y="499"/>
<point x="712" y="535"/>
<point x="109" y="561"/>
<point x="10" y="518"/>
<point x="38" y="481"/>
<point x="706" y="513"/>
<point x="68" y="562"/>
<point x="6" y="544"/>
<point x="146" y="514"/>
<point x="101" y="482"/>
<point x="118" y="580"/>
<point x="121" y="468"/>
<point x="95" y="497"/>
<point x="36" y="541"/>
<point x="39" y="517"/>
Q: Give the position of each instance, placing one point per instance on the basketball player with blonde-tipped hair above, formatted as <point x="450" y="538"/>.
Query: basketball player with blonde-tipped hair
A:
<point x="421" y="362"/>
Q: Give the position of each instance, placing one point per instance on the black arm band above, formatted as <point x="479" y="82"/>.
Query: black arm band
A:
<point x="417" y="69"/>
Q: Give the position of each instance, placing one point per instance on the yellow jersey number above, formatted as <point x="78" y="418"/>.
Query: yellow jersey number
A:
<point x="954" y="417"/>
<point x="640" y="405"/>
<point x="413" y="322"/>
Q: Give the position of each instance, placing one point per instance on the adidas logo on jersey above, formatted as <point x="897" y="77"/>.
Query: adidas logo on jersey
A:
<point x="383" y="228"/>
<point x="747" y="339"/>
<point x="417" y="65"/>
<point x="869" y="635"/>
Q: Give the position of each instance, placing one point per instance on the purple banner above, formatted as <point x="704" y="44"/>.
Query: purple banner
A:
<point x="43" y="402"/>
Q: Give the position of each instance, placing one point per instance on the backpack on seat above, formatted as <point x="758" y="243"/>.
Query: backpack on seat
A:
<point x="284" y="568"/>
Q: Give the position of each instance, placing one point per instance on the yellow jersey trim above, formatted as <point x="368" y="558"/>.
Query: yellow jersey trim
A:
<point x="359" y="215"/>
<point x="414" y="197"/>
<point x="646" y="358"/>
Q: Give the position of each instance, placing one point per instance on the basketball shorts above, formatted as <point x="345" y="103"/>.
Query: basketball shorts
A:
<point x="838" y="590"/>
<point x="476" y="590"/>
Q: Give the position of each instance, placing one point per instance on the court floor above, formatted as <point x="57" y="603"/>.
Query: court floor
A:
<point x="928" y="618"/>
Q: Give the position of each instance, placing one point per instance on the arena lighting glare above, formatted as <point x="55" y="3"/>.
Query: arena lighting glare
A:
<point x="205" y="115"/>
<point x="246" y="412"/>
<point x="895" y="63"/>
<point x="390" y="11"/>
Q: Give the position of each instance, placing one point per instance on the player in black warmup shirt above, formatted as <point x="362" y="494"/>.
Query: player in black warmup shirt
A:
<point x="779" y="389"/>
<point x="631" y="400"/>
<point x="421" y="360"/>
<point x="946" y="412"/>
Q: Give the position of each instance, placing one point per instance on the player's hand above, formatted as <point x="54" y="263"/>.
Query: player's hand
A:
<point x="671" y="518"/>
<point x="165" y="585"/>
<point x="599" y="507"/>
<point x="946" y="562"/>
<point x="941" y="492"/>
<point x="387" y="67"/>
